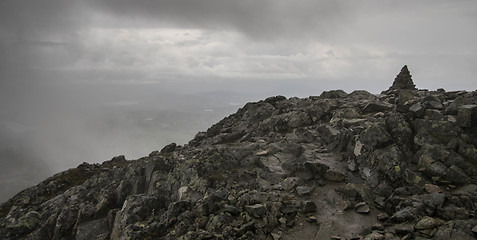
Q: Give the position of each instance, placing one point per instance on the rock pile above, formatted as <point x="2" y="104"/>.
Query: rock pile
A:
<point x="403" y="81"/>
<point x="399" y="165"/>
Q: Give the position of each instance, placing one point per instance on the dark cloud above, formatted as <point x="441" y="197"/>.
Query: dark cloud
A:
<point x="258" y="19"/>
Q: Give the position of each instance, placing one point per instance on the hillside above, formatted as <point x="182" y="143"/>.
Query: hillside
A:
<point x="398" y="165"/>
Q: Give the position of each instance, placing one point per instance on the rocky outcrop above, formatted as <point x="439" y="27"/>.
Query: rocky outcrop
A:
<point x="399" y="165"/>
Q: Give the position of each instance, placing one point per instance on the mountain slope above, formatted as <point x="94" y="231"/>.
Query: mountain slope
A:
<point x="399" y="165"/>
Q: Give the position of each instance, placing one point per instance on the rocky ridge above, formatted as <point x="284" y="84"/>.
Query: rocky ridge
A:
<point x="398" y="165"/>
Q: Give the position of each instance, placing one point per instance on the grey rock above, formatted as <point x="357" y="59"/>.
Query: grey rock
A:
<point x="309" y="207"/>
<point x="256" y="210"/>
<point x="428" y="223"/>
<point x="467" y="116"/>
<point x="362" y="208"/>
<point x="374" y="107"/>
<point x="303" y="190"/>
<point x="334" y="94"/>
<point x="334" y="176"/>
<point x="92" y="229"/>
<point x="417" y="109"/>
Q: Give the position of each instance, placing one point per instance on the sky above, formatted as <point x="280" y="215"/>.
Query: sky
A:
<point x="336" y="44"/>
<point x="73" y="73"/>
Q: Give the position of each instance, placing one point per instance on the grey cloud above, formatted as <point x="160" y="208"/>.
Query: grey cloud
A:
<point x="263" y="20"/>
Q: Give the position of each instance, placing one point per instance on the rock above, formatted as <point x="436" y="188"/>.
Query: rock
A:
<point x="374" y="107"/>
<point x="467" y="116"/>
<point x="250" y="226"/>
<point x="362" y="208"/>
<point x="403" y="229"/>
<point x="311" y="219"/>
<point x="428" y="223"/>
<point x="231" y="209"/>
<point x="374" y="236"/>
<point x="256" y="210"/>
<point x="474" y="229"/>
<point x="276" y="236"/>
<point x="334" y="176"/>
<point x="303" y="190"/>
<point x="417" y="109"/>
<point x="262" y="153"/>
<point x="456" y="175"/>
<point x="405" y="214"/>
<point x="308" y="207"/>
<point x="431" y="188"/>
<point x="290" y="183"/>
<point x="383" y="217"/>
<point x="169" y="148"/>
<point x="433" y="114"/>
<point x="89" y="230"/>
<point x="434" y="105"/>
<point x="120" y="158"/>
<point x="333" y="94"/>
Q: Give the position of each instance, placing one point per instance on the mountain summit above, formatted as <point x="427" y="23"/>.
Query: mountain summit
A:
<point x="334" y="166"/>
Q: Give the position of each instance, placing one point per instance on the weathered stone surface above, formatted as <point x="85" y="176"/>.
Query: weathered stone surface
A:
<point x="256" y="210"/>
<point x="428" y="223"/>
<point x="467" y="116"/>
<point x="303" y="190"/>
<point x="309" y="206"/>
<point x="334" y="176"/>
<point x="362" y="208"/>
<point x="92" y="229"/>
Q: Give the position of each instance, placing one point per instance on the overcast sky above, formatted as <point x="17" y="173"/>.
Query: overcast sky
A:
<point x="335" y="44"/>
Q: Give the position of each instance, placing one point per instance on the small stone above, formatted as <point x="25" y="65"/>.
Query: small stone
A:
<point x="345" y="204"/>
<point x="290" y="223"/>
<point x="231" y="209"/>
<point x="474" y="229"/>
<point x="374" y="236"/>
<point x="303" y="190"/>
<point x="289" y="183"/>
<point x="309" y="207"/>
<point x="374" y="107"/>
<point x="428" y="223"/>
<point x="334" y="176"/>
<point x="276" y="236"/>
<point x="380" y="202"/>
<point x="435" y="105"/>
<point x="262" y="153"/>
<point x="417" y="110"/>
<point x="431" y="188"/>
<point x="256" y="210"/>
<point x="169" y="148"/>
<point x="311" y="219"/>
<point x="335" y="238"/>
<point x="120" y="158"/>
<point x="467" y="116"/>
<point x="250" y="226"/>
<point x="383" y="217"/>
<point x="377" y="226"/>
<point x="403" y="229"/>
<point x="362" y="208"/>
